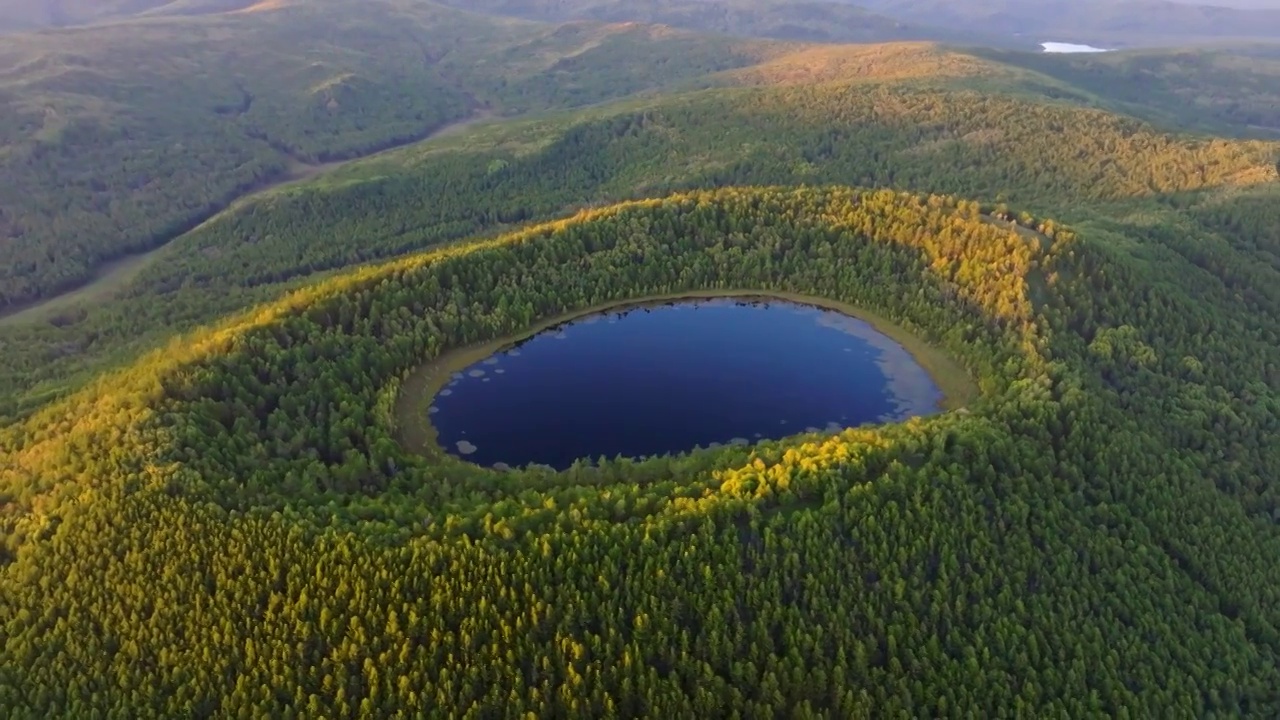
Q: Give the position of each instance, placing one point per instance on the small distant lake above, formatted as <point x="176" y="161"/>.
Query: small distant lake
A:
<point x="1061" y="47"/>
<point x="666" y="378"/>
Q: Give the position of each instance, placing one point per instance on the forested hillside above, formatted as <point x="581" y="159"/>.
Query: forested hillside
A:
<point x="1228" y="89"/>
<point x="117" y="138"/>
<point x="120" y="137"/>
<point x="895" y="135"/>
<point x="1089" y="539"/>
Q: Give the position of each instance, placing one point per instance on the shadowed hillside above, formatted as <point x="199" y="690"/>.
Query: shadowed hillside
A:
<point x="808" y="20"/>
<point x="120" y="137"/>
<point x="1226" y="89"/>
<point x="25" y="15"/>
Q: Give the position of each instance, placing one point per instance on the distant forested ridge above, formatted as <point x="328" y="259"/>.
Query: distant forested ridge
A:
<point x="117" y="138"/>
<point x="1233" y="89"/>
<point x="122" y="136"/>
<point x="808" y="20"/>
<point x="897" y="135"/>
<point x="1120" y="23"/>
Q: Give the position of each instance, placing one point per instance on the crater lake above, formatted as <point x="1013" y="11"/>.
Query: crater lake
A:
<point x="668" y="377"/>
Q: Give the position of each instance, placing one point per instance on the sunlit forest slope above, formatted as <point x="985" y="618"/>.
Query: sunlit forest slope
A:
<point x="1093" y="536"/>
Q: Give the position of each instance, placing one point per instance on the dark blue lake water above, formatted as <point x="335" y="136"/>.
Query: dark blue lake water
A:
<point x="666" y="378"/>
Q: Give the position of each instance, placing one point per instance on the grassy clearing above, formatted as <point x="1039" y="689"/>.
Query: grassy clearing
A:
<point x="417" y="434"/>
<point x="1045" y="241"/>
<point x="110" y="278"/>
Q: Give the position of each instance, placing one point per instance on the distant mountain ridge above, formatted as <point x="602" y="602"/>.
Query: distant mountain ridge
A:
<point x="1001" y="23"/>
<point x="1127" y="23"/>
<point x="807" y="20"/>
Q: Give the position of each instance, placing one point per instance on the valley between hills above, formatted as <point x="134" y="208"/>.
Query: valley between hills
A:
<point x="111" y="276"/>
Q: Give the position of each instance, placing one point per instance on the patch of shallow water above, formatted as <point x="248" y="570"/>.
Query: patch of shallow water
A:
<point x="1061" y="47"/>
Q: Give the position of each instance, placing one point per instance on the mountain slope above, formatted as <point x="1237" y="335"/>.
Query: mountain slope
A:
<point x="184" y="116"/>
<point x="122" y="136"/>
<point x="1235" y="90"/>
<point x="808" y="20"/>
<point x="27" y="15"/>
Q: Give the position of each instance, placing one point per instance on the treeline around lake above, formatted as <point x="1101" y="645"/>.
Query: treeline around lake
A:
<point x="230" y="527"/>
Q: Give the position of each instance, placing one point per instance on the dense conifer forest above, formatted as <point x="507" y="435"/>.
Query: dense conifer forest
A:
<point x="210" y="503"/>
<point x="116" y="139"/>
<point x="895" y="134"/>
<point x="1085" y="539"/>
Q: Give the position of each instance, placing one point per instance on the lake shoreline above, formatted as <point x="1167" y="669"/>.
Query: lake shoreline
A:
<point x="416" y="434"/>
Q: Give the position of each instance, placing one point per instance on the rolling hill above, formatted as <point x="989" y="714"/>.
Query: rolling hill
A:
<point x="28" y="15"/>
<point x="1218" y="89"/>
<point x="120" y="137"/>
